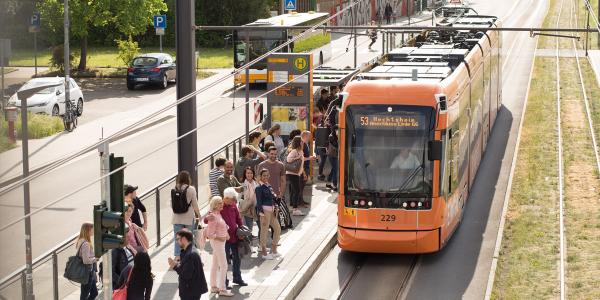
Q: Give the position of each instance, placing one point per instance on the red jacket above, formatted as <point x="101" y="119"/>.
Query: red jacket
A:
<point x="231" y="215"/>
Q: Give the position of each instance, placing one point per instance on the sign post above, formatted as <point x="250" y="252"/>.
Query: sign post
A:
<point x="290" y="106"/>
<point x="160" y="24"/>
<point x="4" y="54"/>
<point x="34" y="27"/>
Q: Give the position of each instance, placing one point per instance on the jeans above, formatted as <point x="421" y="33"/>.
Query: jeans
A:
<point x="334" y="170"/>
<point x="231" y="250"/>
<point x="295" y="193"/>
<point x="322" y="160"/>
<point x="176" y="228"/>
<point x="89" y="290"/>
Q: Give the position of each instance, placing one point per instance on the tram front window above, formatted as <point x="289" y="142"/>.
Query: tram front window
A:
<point x="386" y="150"/>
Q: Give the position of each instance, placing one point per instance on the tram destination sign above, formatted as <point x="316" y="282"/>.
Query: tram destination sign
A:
<point x="377" y="121"/>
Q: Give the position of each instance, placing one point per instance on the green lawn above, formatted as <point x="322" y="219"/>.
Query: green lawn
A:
<point x="39" y="126"/>
<point x="311" y="43"/>
<point x="106" y="57"/>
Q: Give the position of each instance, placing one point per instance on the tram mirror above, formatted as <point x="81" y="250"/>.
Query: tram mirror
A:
<point x="435" y="150"/>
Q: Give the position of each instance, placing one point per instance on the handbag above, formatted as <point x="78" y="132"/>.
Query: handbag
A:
<point x="76" y="270"/>
<point x="293" y="166"/>
<point x="121" y="293"/>
<point x="243" y="232"/>
<point x="141" y="238"/>
<point x="201" y="238"/>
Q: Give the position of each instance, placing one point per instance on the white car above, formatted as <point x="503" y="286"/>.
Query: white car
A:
<point x="50" y="101"/>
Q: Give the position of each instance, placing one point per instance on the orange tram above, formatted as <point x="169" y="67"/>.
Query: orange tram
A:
<point x="413" y="129"/>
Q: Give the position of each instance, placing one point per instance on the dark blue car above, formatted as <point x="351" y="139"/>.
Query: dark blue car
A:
<point x="152" y="68"/>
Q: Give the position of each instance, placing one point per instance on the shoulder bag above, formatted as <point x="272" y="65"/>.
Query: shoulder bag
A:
<point x="76" y="270"/>
<point x="121" y="293"/>
<point x="293" y="166"/>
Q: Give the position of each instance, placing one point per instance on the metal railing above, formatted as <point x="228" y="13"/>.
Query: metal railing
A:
<point x="48" y="282"/>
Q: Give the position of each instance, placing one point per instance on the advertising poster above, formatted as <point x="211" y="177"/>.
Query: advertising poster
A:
<point x="290" y="118"/>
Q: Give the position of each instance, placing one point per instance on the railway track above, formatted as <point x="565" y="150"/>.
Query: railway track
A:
<point x="581" y="83"/>
<point x="389" y="276"/>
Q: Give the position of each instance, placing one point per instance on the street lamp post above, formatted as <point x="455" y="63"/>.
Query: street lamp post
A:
<point x="23" y="95"/>
<point x="67" y="62"/>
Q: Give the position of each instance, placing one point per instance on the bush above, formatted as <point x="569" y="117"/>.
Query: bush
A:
<point x="57" y="60"/>
<point x="38" y="125"/>
<point x="128" y="49"/>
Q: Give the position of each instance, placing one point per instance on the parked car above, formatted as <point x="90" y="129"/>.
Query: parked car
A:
<point x="50" y="101"/>
<point x="151" y="68"/>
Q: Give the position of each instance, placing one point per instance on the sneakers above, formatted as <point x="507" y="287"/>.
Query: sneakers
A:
<point x="240" y="282"/>
<point x="297" y="212"/>
<point x="276" y="255"/>
<point x="321" y="177"/>
<point x="225" y="293"/>
<point x="267" y="257"/>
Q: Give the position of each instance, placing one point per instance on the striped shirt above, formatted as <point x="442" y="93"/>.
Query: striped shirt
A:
<point x="213" y="175"/>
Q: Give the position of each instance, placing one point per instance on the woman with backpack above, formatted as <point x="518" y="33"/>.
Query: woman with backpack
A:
<point x="86" y="251"/>
<point x="184" y="203"/>
<point x="138" y="279"/>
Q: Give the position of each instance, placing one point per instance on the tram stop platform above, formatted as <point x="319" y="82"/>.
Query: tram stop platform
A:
<point x="303" y="247"/>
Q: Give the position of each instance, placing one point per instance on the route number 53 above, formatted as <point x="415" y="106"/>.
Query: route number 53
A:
<point x="388" y="218"/>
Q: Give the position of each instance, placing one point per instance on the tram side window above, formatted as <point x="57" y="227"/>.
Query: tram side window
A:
<point x="453" y="158"/>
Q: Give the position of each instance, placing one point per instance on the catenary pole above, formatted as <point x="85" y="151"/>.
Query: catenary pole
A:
<point x="187" y="152"/>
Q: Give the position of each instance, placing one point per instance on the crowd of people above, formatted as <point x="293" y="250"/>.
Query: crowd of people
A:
<point x="250" y="191"/>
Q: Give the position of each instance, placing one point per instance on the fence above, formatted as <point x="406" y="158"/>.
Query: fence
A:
<point x="48" y="267"/>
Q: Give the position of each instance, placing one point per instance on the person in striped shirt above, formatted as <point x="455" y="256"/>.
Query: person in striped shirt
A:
<point x="214" y="174"/>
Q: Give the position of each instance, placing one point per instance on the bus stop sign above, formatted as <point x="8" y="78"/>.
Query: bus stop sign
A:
<point x="289" y="105"/>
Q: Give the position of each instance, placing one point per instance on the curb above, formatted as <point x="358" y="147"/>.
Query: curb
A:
<point x="295" y="286"/>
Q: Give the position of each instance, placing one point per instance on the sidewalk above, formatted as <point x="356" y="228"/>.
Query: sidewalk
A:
<point x="302" y="249"/>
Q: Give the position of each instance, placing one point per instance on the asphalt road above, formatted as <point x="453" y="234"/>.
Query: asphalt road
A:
<point x="110" y="104"/>
<point x="461" y="269"/>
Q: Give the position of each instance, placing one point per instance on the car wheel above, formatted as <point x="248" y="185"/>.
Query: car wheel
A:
<point x="79" y="107"/>
<point x="130" y="85"/>
<point x="55" y="110"/>
<point x="165" y="82"/>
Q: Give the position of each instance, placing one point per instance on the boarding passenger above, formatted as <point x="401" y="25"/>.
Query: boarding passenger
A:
<point x="214" y="174"/>
<point x="265" y="207"/>
<point x="274" y="135"/>
<point x="192" y="282"/>
<point x="217" y="235"/>
<point x="186" y="219"/>
<point x="231" y="215"/>
<point x="228" y="180"/>
<point x="131" y="198"/>
<point x="85" y="250"/>
<point x="294" y="177"/>
<point x="138" y="278"/>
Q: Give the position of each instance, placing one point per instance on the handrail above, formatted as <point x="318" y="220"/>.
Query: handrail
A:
<point x="16" y="275"/>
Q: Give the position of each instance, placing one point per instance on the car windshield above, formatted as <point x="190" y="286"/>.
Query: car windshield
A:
<point x="33" y="84"/>
<point x="387" y="149"/>
<point x="144" y="62"/>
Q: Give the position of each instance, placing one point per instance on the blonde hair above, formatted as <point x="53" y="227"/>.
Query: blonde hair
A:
<point x="214" y="201"/>
<point x="84" y="234"/>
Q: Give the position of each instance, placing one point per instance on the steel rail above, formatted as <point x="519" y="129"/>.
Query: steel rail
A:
<point x="391" y="28"/>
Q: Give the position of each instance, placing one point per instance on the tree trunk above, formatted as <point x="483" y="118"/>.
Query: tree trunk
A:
<point x="83" y="58"/>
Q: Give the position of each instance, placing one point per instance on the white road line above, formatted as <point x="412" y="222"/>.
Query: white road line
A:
<point x="560" y="165"/>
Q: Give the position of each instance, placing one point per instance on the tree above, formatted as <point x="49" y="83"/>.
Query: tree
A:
<point x="129" y="17"/>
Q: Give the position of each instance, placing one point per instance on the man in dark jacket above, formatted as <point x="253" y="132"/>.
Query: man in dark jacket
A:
<point x="192" y="283"/>
<point x="121" y="258"/>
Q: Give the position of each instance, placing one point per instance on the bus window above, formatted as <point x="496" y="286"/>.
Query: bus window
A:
<point x="386" y="149"/>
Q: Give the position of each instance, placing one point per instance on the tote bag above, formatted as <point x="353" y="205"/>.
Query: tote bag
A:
<point x="76" y="270"/>
<point x="121" y="293"/>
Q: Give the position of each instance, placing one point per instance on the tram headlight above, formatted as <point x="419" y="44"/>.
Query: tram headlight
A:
<point x="355" y="202"/>
<point x="370" y="203"/>
<point x="419" y="204"/>
<point x="405" y="204"/>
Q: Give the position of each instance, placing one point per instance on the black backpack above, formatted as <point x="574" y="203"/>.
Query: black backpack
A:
<point x="261" y="144"/>
<point x="179" y="203"/>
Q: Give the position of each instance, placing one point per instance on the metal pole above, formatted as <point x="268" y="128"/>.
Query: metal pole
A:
<point x="587" y="34"/>
<point x="382" y="42"/>
<point x="187" y="147"/>
<point x="598" y="25"/>
<point x="105" y="198"/>
<point x="160" y="42"/>
<point x="26" y="203"/>
<point x="247" y="106"/>
<point x="352" y="11"/>
<point x="55" y="275"/>
<point x="67" y="62"/>
<point x="157" y="194"/>
<point x="2" y="75"/>
<point x="35" y="52"/>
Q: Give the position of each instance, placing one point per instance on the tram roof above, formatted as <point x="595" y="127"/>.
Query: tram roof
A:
<point x="292" y="19"/>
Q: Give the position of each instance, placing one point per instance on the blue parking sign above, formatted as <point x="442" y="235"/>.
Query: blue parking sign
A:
<point x="34" y="23"/>
<point x="160" y="21"/>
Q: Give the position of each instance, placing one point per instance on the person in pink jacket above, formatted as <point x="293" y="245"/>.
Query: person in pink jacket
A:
<point x="216" y="232"/>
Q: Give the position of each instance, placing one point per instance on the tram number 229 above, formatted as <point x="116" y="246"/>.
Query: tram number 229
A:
<point x="388" y="218"/>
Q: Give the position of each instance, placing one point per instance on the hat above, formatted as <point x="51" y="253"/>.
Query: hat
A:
<point x="129" y="189"/>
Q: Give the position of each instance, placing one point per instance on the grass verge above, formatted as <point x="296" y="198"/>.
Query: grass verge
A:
<point x="312" y="42"/>
<point x="527" y="266"/>
<point x="106" y="57"/>
<point x="38" y="125"/>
